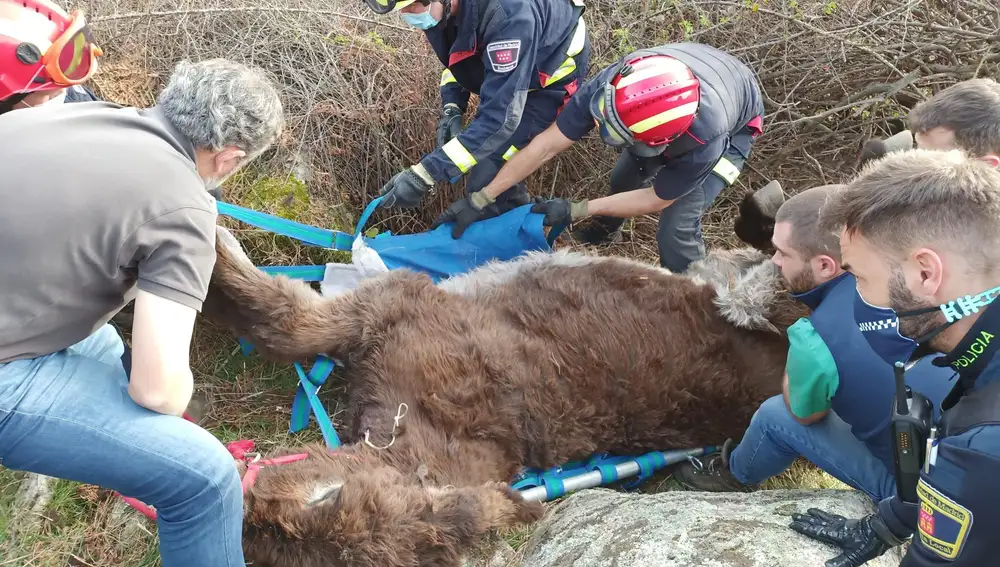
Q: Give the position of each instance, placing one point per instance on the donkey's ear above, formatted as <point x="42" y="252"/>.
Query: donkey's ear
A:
<point x="754" y="224"/>
<point x="323" y="494"/>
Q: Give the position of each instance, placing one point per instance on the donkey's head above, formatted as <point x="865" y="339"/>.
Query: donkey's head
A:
<point x="347" y="507"/>
<point x="750" y="292"/>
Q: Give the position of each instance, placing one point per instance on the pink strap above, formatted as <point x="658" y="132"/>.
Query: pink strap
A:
<point x="240" y="450"/>
<point x="252" y="468"/>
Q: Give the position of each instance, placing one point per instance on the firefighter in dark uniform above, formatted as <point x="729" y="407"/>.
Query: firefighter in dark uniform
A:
<point x="686" y="116"/>
<point x="524" y="58"/>
<point x="913" y="223"/>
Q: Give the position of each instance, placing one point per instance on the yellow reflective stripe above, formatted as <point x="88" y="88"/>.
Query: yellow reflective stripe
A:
<point x="579" y="38"/>
<point x="726" y="170"/>
<point x="458" y="155"/>
<point x="664" y="117"/>
<point x="447" y="77"/>
<point x="399" y="5"/>
<point x="656" y="67"/>
<point x="575" y="47"/>
<point x="509" y="153"/>
<point x="562" y="72"/>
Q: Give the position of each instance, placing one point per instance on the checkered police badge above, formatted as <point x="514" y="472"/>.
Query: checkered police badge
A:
<point x="503" y="55"/>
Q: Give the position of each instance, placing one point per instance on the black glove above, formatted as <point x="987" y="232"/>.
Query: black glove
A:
<point x="862" y="540"/>
<point x="449" y="123"/>
<point x="560" y="211"/>
<point x="475" y="207"/>
<point x="406" y="188"/>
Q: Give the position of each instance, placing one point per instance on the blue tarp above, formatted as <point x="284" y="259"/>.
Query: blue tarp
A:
<point x="435" y="252"/>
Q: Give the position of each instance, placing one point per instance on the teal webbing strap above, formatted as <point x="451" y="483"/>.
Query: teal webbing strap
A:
<point x="315" y="236"/>
<point x="307" y="397"/>
<point x="305" y="273"/>
<point x="554" y="487"/>
<point x="363" y="219"/>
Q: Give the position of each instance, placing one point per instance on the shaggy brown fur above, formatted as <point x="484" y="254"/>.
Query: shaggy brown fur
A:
<point x="522" y="364"/>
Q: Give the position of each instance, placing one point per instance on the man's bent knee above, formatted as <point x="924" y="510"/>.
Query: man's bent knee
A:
<point x="206" y="478"/>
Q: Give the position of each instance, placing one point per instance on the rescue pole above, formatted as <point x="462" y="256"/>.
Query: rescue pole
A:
<point x="551" y="485"/>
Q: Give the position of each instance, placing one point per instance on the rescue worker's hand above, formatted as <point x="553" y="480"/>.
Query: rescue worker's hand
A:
<point x="560" y="211"/>
<point x="449" y="123"/>
<point x="477" y="206"/>
<point x="862" y="540"/>
<point x="406" y="188"/>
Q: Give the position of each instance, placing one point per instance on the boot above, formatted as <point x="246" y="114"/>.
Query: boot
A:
<point x="599" y="231"/>
<point x="710" y="473"/>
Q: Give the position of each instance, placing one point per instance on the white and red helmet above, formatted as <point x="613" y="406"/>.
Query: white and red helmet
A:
<point x="43" y="48"/>
<point x="647" y="103"/>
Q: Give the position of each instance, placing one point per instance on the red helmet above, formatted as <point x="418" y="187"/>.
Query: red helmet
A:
<point x="43" y="48"/>
<point x="650" y="101"/>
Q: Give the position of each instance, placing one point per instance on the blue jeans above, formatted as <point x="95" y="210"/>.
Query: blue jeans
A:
<point x="774" y="440"/>
<point x="68" y="415"/>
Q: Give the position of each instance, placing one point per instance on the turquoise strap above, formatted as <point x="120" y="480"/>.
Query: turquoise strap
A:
<point x="363" y="219"/>
<point x="305" y="273"/>
<point x="315" y="236"/>
<point x="307" y="397"/>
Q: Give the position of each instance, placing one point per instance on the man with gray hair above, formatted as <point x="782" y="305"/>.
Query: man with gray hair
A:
<point x="918" y="230"/>
<point x="86" y="228"/>
<point x="836" y="389"/>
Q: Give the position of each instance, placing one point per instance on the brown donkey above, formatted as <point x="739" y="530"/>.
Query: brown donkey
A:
<point x="527" y="363"/>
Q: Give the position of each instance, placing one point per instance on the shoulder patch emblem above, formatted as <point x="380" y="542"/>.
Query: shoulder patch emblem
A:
<point x="943" y="524"/>
<point x="503" y="55"/>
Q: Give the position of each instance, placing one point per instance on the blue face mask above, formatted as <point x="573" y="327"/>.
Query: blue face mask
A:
<point x="424" y="20"/>
<point x="880" y="325"/>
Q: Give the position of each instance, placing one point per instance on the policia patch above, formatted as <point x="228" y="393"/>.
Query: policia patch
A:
<point x="943" y="524"/>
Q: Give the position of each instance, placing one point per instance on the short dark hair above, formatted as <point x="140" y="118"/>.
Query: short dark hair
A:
<point x="920" y="198"/>
<point x="971" y="109"/>
<point x="802" y="212"/>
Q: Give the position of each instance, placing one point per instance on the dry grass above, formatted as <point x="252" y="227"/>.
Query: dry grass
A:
<point x="361" y="98"/>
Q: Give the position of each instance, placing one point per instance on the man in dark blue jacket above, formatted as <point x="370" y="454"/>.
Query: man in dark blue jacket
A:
<point x="524" y="58"/>
<point x="686" y="116"/>
<point x="836" y="391"/>
<point x="916" y="230"/>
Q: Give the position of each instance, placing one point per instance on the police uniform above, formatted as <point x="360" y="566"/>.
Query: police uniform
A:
<point x="524" y="58"/>
<point x="957" y="518"/>
<point x="697" y="166"/>
<point x="828" y="352"/>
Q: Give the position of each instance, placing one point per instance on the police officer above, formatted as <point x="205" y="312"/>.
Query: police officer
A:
<point x="686" y="116"/>
<point x="917" y="229"/>
<point x="524" y="58"/>
<point x="836" y="388"/>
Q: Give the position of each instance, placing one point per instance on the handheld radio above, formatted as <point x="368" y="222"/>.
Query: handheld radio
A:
<point x="912" y="413"/>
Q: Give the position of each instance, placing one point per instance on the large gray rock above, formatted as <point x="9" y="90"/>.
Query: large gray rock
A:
<point x="604" y="528"/>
